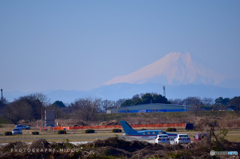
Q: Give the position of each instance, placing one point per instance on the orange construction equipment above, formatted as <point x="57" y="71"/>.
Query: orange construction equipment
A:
<point x="115" y="126"/>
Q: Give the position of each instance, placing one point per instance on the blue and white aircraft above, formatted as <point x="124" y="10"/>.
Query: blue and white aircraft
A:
<point x="144" y="134"/>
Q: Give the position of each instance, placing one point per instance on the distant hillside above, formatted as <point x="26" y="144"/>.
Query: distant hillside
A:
<point x="125" y="90"/>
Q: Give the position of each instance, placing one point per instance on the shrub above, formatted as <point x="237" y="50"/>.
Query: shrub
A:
<point x="62" y="132"/>
<point x="40" y="144"/>
<point x="171" y="129"/>
<point x="116" y="130"/>
<point x="8" y="133"/>
<point x="89" y="131"/>
<point x="35" y="133"/>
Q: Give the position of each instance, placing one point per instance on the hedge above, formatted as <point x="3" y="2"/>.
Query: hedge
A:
<point x="8" y="133"/>
<point x="116" y="130"/>
<point x="62" y="132"/>
<point x="89" y="131"/>
<point x="171" y="129"/>
<point x="35" y="133"/>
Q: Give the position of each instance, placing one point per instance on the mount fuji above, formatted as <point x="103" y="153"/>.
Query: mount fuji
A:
<point x="180" y="73"/>
<point x="173" y="69"/>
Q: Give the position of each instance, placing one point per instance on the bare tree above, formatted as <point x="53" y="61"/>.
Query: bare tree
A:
<point x="210" y="126"/>
<point x="86" y="109"/>
<point x="95" y="108"/>
<point x="106" y="104"/>
<point x="37" y="102"/>
<point x="25" y="108"/>
<point x="18" y="110"/>
<point x="10" y="114"/>
<point x="42" y="98"/>
<point x="119" y="102"/>
<point x="207" y="101"/>
<point x="195" y="102"/>
<point x="176" y="101"/>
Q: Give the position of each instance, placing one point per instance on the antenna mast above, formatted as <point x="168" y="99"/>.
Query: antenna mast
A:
<point x="2" y="94"/>
<point x="164" y="92"/>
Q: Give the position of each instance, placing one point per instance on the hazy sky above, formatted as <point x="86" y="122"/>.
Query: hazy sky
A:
<point x="78" y="45"/>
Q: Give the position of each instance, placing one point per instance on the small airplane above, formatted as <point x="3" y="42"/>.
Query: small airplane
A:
<point x="144" y="134"/>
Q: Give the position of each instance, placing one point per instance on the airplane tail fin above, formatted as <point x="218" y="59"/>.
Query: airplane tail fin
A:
<point x="126" y="127"/>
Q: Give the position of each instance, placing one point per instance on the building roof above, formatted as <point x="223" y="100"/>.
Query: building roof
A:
<point x="151" y="106"/>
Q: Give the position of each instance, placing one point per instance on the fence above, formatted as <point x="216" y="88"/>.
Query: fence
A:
<point x="115" y="126"/>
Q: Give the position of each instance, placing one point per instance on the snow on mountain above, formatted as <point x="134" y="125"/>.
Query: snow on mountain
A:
<point x="173" y="69"/>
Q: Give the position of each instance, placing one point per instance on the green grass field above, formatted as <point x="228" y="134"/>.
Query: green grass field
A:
<point x="79" y="135"/>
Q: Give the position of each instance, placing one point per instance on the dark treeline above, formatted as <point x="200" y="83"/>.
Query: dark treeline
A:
<point x="32" y="107"/>
<point x="145" y="99"/>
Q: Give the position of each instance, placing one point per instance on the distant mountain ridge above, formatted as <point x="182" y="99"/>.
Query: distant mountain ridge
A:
<point x="173" y="69"/>
<point x="126" y="90"/>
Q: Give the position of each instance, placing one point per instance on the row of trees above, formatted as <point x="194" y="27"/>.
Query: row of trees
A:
<point x="204" y="101"/>
<point x="24" y="108"/>
<point x="208" y="103"/>
<point x="31" y="107"/>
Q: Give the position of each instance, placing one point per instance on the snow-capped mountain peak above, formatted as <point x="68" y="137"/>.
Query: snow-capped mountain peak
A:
<point x="175" y="68"/>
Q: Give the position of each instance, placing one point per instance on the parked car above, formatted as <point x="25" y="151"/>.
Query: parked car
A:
<point x="189" y="126"/>
<point x="17" y="131"/>
<point x="200" y="136"/>
<point x="49" y="125"/>
<point x="162" y="138"/>
<point x="22" y="127"/>
<point x="182" y="139"/>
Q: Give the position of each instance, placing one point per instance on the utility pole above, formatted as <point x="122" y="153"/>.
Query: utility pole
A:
<point x="42" y="117"/>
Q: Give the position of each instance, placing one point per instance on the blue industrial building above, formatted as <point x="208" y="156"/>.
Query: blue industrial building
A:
<point x="150" y="108"/>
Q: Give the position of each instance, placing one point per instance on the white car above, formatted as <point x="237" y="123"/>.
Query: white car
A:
<point x="162" y="138"/>
<point x="182" y="139"/>
<point x="17" y="131"/>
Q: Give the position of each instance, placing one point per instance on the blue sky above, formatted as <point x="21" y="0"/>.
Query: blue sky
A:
<point x="78" y="45"/>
